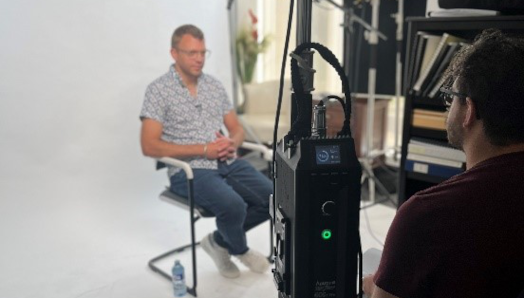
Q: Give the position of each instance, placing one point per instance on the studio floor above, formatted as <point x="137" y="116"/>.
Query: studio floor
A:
<point x="90" y="234"/>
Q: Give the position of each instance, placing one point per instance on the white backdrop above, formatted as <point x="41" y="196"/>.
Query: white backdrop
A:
<point x="75" y="190"/>
<point x="73" y="74"/>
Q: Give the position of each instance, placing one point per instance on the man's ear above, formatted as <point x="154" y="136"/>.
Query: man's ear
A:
<point x="174" y="54"/>
<point x="471" y="113"/>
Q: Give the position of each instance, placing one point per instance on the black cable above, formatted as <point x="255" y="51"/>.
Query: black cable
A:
<point x="337" y="98"/>
<point x="301" y="126"/>
<point x="281" y="88"/>
<point x="378" y="202"/>
<point x="368" y="224"/>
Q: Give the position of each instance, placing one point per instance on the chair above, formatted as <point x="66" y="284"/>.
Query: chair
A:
<point x="196" y="212"/>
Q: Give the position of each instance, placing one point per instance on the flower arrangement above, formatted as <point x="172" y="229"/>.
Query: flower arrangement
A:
<point x="248" y="47"/>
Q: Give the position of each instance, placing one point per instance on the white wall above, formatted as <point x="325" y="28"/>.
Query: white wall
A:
<point x="72" y="78"/>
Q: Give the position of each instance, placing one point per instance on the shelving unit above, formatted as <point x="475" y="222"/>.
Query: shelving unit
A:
<point x="465" y="27"/>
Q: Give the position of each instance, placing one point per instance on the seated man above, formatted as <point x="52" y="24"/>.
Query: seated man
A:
<point x="182" y="114"/>
<point x="464" y="237"/>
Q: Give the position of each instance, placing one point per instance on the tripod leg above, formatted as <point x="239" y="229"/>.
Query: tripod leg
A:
<point x="367" y="174"/>
<point x="373" y="182"/>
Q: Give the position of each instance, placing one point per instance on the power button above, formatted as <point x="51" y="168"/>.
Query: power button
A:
<point x="328" y="208"/>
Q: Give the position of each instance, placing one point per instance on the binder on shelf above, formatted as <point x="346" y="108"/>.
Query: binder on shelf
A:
<point x="429" y="119"/>
<point x="451" y="50"/>
<point x="433" y="150"/>
<point x="431" y="169"/>
<point x="419" y="45"/>
<point x="435" y="160"/>
<point x="424" y="54"/>
<point x="434" y="62"/>
<point x="422" y="132"/>
<point x="434" y="88"/>
<point x="430" y="70"/>
<point x="463" y="12"/>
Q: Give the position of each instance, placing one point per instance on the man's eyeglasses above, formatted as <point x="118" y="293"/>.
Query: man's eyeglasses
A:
<point x="194" y="54"/>
<point x="447" y="96"/>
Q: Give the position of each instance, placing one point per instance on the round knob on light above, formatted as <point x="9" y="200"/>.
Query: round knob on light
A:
<point x="328" y="208"/>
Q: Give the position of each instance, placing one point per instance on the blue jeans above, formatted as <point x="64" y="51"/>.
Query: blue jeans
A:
<point x="237" y="194"/>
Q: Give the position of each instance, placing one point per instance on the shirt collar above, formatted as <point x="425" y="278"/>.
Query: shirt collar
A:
<point x="177" y="77"/>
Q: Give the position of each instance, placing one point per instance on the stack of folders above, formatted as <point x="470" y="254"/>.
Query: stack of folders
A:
<point x="432" y="55"/>
<point x="428" y="119"/>
<point x="434" y="158"/>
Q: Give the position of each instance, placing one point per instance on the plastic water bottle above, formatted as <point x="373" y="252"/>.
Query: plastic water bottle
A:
<point x="179" y="280"/>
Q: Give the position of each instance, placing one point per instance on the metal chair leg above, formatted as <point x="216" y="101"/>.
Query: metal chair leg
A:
<point x="192" y="245"/>
<point x="166" y="275"/>
<point x="156" y="269"/>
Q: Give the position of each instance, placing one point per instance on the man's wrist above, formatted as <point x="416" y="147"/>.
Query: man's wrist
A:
<point x="205" y="151"/>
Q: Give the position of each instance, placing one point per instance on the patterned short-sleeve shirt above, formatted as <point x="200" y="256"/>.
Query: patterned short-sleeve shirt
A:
<point x="187" y="120"/>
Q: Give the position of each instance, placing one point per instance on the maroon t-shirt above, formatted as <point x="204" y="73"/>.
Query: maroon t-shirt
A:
<point x="461" y="238"/>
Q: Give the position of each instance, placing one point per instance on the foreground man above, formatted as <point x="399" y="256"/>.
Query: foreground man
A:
<point x="465" y="236"/>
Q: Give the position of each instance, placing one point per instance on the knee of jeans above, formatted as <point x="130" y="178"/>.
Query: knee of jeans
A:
<point x="236" y="211"/>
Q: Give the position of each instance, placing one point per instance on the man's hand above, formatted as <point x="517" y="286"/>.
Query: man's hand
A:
<point x="372" y="291"/>
<point x="227" y="146"/>
<point x="222" y="148"/>
<point x="368" y="286"/>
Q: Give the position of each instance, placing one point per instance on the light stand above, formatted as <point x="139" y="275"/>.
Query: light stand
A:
<point x="373" y="36"/>
<point x="349" y="18"/>
<point x="372" y="76"/>
<point x="373" y="41"/>
<point x="399" y="18"/>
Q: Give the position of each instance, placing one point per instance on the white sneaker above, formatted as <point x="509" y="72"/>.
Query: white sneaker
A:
<point x="220" y="256"/>
<point x="254" y="260"/>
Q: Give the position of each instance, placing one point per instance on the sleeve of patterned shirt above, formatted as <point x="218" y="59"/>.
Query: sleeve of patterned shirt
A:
<point x="154" y="106"/>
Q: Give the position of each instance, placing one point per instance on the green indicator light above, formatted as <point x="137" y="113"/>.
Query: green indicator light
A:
<point x="326" y="234"/>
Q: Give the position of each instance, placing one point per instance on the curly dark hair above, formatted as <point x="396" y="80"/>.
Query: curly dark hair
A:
<point x="491" y="72"/>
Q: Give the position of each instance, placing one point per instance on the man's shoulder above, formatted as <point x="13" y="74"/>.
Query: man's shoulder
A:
<point x="211" y="80"/>
<point x="452" y="194"/>
<point x="164" y="81"/>
<point x="453" y="184"/>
